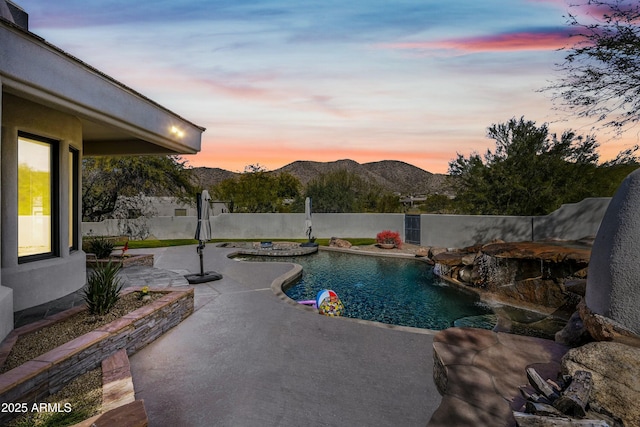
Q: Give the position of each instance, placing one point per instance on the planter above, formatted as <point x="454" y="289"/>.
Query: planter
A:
<point x="49" y="372"/>
<point x="388" y="239"/>
<point x="145" y="260"/>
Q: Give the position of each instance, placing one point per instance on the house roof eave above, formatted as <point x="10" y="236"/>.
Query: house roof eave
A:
<point x="111" y="112"/>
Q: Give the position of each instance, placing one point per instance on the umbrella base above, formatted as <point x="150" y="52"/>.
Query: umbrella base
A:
<point x="308" y="245"/>
<point x="208" y="276"/>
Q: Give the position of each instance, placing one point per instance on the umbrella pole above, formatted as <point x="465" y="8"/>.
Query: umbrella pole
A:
<point x="202" y="276"/>
<point x="200" y="250"/>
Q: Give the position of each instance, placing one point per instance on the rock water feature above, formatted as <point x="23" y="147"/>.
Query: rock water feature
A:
<point x="547" y="279"/>
<point x="529" y="273"/>
<point x="598" y="382"/>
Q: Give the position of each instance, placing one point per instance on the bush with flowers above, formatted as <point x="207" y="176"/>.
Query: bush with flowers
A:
<point x="143" y="294"/>
<point x="389" y="237"/>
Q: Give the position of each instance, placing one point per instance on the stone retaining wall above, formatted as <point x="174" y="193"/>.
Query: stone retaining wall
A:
<point x="139" y="260"/>
<point x="48" y="373"/>
<point x="118" y="396"/>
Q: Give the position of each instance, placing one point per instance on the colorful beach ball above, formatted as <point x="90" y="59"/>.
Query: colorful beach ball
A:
<point x="328" y="303"/>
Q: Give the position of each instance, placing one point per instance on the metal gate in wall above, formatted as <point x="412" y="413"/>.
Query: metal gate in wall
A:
<point x="412" y="229"/>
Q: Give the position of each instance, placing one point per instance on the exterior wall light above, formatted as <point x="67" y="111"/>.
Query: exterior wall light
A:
<point x="177" y="132"/>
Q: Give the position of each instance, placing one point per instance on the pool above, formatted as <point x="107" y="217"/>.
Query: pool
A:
<point x="396" y="291"/>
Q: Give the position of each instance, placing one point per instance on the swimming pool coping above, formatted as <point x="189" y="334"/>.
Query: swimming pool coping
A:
<point x="357" y="251"/>
<point x="295" y="273"/>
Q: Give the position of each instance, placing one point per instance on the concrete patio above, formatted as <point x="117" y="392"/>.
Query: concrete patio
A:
<point x="250" y="356"/>
<point x="247" y="358"/>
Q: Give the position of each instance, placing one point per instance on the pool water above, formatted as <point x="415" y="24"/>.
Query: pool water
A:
<point x="396" y="291"/>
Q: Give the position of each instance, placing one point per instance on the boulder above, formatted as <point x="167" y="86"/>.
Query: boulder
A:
<point x="436" y="251"/>
<point x="339" y="243"/>
<point x="582" y="274"/>
<point x="602" y="328"/>
<point x="615" y="369"/>
<point x="576" y="286"/>
<point x="449" y="258"/>
<point x="574" y="333"/>
<point x="548" y="251"/>
<point x="523" y="280"/>
<point x="468" y="259"/>
<point x="422" y="252"/>
<point x="465" y="274"/>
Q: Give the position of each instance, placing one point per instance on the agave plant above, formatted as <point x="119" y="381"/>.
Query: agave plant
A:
<point x="101" y="247"/>
<point x="103" y="288"/>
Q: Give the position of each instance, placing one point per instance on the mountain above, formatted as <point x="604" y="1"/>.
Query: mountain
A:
<point x="209" y="177"/>
<point x="392" y="175"/>
<point x="305" y="171"/>
<point x="410" y="179"/>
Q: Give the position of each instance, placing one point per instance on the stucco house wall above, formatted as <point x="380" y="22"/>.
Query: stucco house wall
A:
<point x="31" y="282"/>
<point x="50" y="94"/>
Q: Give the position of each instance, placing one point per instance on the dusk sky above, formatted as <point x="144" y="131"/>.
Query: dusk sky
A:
<point x="275" y="81"/>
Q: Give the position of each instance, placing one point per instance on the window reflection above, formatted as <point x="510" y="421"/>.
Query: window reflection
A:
<point x="35" y="182"/>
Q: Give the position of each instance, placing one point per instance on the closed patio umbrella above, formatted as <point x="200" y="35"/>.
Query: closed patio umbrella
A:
<point x="203" y="230"/>
<point x="203" y="234"/>
<point x="307" y="222"/>
<point x="307" y="216"/>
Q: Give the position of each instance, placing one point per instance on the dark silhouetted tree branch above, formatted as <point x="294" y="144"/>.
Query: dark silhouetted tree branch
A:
<point x="602" y="70"/>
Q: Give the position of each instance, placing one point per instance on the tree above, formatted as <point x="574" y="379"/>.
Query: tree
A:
<point x="603" y="67"/>
<point x="530" y="172"/>
<point x="257" y="190"/>
<point x="342" y="191"/>
<point x="109" y="183"/>
<point x="610" y="174"/>
<point x="437" y="203"/>
<point x="388" y="203"/>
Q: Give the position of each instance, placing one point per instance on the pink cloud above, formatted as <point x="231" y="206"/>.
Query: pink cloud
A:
<point x="238" y="90"/>
<point x="249" y="87"/>
<point x="509" y="42"/>
<point x="595" y="10"/>
<point x="629" y="9"/>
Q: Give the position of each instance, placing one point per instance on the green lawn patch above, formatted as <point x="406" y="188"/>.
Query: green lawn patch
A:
<point x="138" y="244"/>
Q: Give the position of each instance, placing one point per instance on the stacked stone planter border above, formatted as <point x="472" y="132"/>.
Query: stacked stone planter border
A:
<point x="48" y="373"/>
<point x="144" y="260"/>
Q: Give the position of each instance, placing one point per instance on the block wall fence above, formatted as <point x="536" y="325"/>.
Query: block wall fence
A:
<point x="569" y="222"/>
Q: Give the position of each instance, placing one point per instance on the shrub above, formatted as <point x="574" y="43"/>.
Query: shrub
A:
<point x="101" y="247"/>
<point x="103" y="288"/>
<point x="388" y="236"/>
